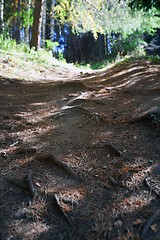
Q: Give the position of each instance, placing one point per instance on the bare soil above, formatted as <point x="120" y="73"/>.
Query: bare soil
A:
<point x="80" y="154"/>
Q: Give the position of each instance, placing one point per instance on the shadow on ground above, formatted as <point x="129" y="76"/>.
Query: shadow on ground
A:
<point x="105" y="128"/>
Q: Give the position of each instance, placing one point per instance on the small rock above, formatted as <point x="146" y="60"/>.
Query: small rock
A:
<point x="134" y="137"/>
<point x="118" y="224"/>
<point x="137" y="222"/>
<point x="154" y="228"/>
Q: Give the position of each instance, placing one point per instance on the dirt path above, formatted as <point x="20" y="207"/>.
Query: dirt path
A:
<point x="79" y="159"/>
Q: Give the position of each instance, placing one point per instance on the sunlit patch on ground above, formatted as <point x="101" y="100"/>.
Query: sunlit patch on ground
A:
<point x="79" y="158"/>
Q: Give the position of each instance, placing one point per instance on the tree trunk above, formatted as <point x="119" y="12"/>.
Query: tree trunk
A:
<point x="52" y="20"/>
<point x="35" y="39"/>
<point x="43" y="24"/>
<point x="16" y="20"/>
<point x="100" y="38"/>
<point x="27" y="29"/>
<point x="18" y="38"/>
<point x="1" y="16"/>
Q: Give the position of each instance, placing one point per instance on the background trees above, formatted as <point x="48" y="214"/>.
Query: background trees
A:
<point x="81" y="30"/>
<point x="37" y="24"/>
<point x="1" y="16"/>
<point x="145" y="4"/>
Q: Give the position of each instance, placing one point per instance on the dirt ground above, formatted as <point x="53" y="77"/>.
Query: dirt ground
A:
<point x="80" y="154"/>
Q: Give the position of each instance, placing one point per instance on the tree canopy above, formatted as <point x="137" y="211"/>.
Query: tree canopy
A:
<point x="109" y="24"/>
<point x="145" y="4"/>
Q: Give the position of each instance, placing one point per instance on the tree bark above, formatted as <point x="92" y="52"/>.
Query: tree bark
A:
<point x="1" y="16"/>
<point x="16" y="20"/>
<point x="18" y="38"/>
<point x="52" y="20"/>
<point x="35" y="39"/>
<point x="43" y="24"/>
<point x="27" y="29"/>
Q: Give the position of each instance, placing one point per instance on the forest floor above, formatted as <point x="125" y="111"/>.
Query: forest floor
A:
<point x="80" y="153"/>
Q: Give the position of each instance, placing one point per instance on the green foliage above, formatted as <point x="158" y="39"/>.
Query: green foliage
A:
<point x="96" y="17"/>
<point x="104" y="17"/>
<point x="132" y="44"/>
<point x="63" y="10"/>
<point x="99" y="65"/>
<point x="7" y="43"/>
<point x="61" y="57"/>
<point x="26" y="17"/>
<point x="118" y="60"/>
<point x="150" y="22"/>
<point x="154" y="59"/>
<point x="144" y="4"/>
<point x="13" y="11"/>
<point x="50" y="45"/>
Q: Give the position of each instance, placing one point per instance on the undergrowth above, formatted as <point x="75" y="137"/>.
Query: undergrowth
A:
<point x="21" y="53"/>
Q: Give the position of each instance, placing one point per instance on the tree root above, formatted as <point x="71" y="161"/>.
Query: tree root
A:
<point x="69" y="110"/>
<point x="111" y="148"/>
<point x="51" y="159"/>
<point x="26" y="184"/>
<point x="151" y="115"/>
<point x="115" y="149"/>
<point x="31" y="185"/>
<point x="95" y="118"/>
<point x="147" y="226"/>
<point x="110" y="89"/>
<point x="58" y="204"/>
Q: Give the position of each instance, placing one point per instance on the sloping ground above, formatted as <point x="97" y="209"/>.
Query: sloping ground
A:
<point x="79" y="158"/>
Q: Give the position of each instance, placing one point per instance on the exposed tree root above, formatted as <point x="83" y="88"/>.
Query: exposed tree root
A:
<point x="72" y="110"/>
<point x="76" y="102"/>
<point x="111" y="148"/>
<point x="26" y="184"/>
<point x="148" y="225"/>
<point x="111" y="89"/>
<point x="31" y="185"/>
<point x="95" y="118"/>
<point x="113" y="181"/>
<point x="80" y="98"/>
<point x="152" y="116"/>
<point x="26" y="151"/>
<point x="58" y="203"/>
<point x="51" y="159"/>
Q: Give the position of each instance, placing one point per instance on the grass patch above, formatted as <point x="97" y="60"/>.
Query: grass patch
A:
<point x="154" y="59"/>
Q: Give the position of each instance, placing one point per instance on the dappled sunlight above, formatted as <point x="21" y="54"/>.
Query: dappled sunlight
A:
<point x="37" y="115"/>
<point x="131" y="204"/>
<point x="27" y="231"/>
<point x="130" y="70"/>
<point x="29" y="136"/>
<point x="76" y="156"/>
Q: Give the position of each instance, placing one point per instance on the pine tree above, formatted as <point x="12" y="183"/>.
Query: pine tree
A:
<point x="37" y="21"/>
<point x="1" y="16"/>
